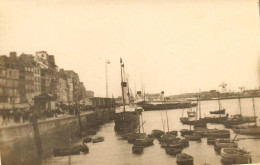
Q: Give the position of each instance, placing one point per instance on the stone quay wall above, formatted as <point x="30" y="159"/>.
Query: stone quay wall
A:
<point x="18" y="144"/>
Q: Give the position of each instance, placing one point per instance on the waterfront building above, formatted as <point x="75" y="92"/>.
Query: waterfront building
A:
<point x="26" y="65"/>
<point x="70" y="90"/>
<point x="37" y="81"/>
<point x="9" y="81"/>
<point x="24" y="77"/>
<point x="82" y="91"/>
<point x="89" y="94"/>
<point x="62" y="94"/>
<point x="75" y="81"/>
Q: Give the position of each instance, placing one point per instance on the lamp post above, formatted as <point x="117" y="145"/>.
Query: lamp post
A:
<point x="107" y="94"/>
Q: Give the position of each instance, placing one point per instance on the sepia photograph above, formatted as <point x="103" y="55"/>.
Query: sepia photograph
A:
<point x="129" y="82"/>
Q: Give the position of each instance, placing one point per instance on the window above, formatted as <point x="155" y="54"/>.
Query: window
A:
<point x="10" y="73"/>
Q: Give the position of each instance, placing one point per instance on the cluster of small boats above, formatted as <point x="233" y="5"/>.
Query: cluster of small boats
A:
<point x="139" y="141"/>
<point x="229" y="151"/>
<point x="79" y="149"/>
<point x="168" y="141"/>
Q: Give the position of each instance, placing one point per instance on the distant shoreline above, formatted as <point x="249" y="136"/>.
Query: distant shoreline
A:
<point x="227" y="98"/>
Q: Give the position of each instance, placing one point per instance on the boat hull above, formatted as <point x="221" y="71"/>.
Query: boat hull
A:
<point x="248" y="131"/>
<point x="222" y="111"/>
<point x="235" y="156"/>
<point x="167" y="106"/>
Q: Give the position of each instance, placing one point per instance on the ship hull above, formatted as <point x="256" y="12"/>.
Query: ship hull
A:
<point x="168" y="106"/>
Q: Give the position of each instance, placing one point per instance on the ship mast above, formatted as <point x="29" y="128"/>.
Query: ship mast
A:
<point x="239" y="104"/>
<point x="254" y="109"/>
<point x="122" y="82"/>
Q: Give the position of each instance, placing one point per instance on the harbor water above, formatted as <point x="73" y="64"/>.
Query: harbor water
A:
<point x="116" y="151"/>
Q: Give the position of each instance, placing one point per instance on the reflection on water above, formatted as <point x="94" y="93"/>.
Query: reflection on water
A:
<point x="115" y="151"/>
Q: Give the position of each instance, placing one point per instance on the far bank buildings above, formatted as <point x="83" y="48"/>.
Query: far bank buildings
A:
<point x="26" y="76"/>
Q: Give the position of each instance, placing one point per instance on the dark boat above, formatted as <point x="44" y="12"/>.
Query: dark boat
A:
<point x="218" y="134"/>
<point x="175" y="133"/>
<point x="216" y="119"/>
<point x="145" y="142"/>
<point x="157" y="133"/>
<point x="87" y="140"/>
<point x="126" y="121"/>
<point x="185" y="143"/>
<point x="152" y="106"/>
<point x="186" y="120"/>
<point x="224" y="143"/>
<point x="184" y="159"/>
<point x="186" y="132"/>
<point x="221" y="111"/>
<point x="172" y="151"/>
<point x="65" y="151"/>
<point x="239" y="119"/>
<point x="98" y="139"/>
<point x="199" y="123"/>
<point x="211" y="140"/>
<point x="193" y="137"/>
<point x="250" y="129"/>
<point x="137" y="149"/>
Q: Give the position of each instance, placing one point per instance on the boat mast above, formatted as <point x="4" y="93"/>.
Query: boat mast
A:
<point x="239" y="104"/>
<point x="219" y="104"/>
<point x="254" y="109"/>
<point x="166" y="115"/>
<point x="122" y="82"/>
<point x="197" y="108"/>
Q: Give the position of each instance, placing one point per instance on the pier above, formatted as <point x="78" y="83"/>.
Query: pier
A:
<point x="18" y="144"/>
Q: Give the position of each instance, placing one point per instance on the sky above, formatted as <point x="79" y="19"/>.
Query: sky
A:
<point x="174" y="46"/>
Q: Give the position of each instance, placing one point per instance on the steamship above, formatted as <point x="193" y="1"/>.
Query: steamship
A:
<point x="164" y="105"/>
<point x="127" y="119"/>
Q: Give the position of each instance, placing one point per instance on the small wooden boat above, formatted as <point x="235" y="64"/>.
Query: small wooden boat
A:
<point x="199" y="123"/>
<point x="185" y="143"/>
<point x="216" y="119"/>
<point x="224" y="143"/>
<point x="193" y="137"/>
<point x="239" y="119"/>
<point x="145" y="142"/>
<point x="157" y="133"/>
<point x="186" y="132"/>
<point x="87" y="140"/>
<point x="184" y="159"/>
<point x="125" y="136"/>
<point x="137" y="149"/>
<point x="172" y="150"/>
<point x="211" y="140"/>
<point x="131" y="139"/>
<point x="98" y="139"/>
<point x="218" y="134"/>
<point x="202" y="131"/>
<point x="186" y="120"/>
<point x="175" y="133"/>
<point x="168" y="138"/>
<point x="221" y="111"/>
<point x="235" y="156"/>
<point x="250" y="130"/>
<point x="65" y="151"/>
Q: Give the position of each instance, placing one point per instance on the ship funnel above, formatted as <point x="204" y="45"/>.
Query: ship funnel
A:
<point x="162" y="95"/>
<point x="125" y="91"/>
